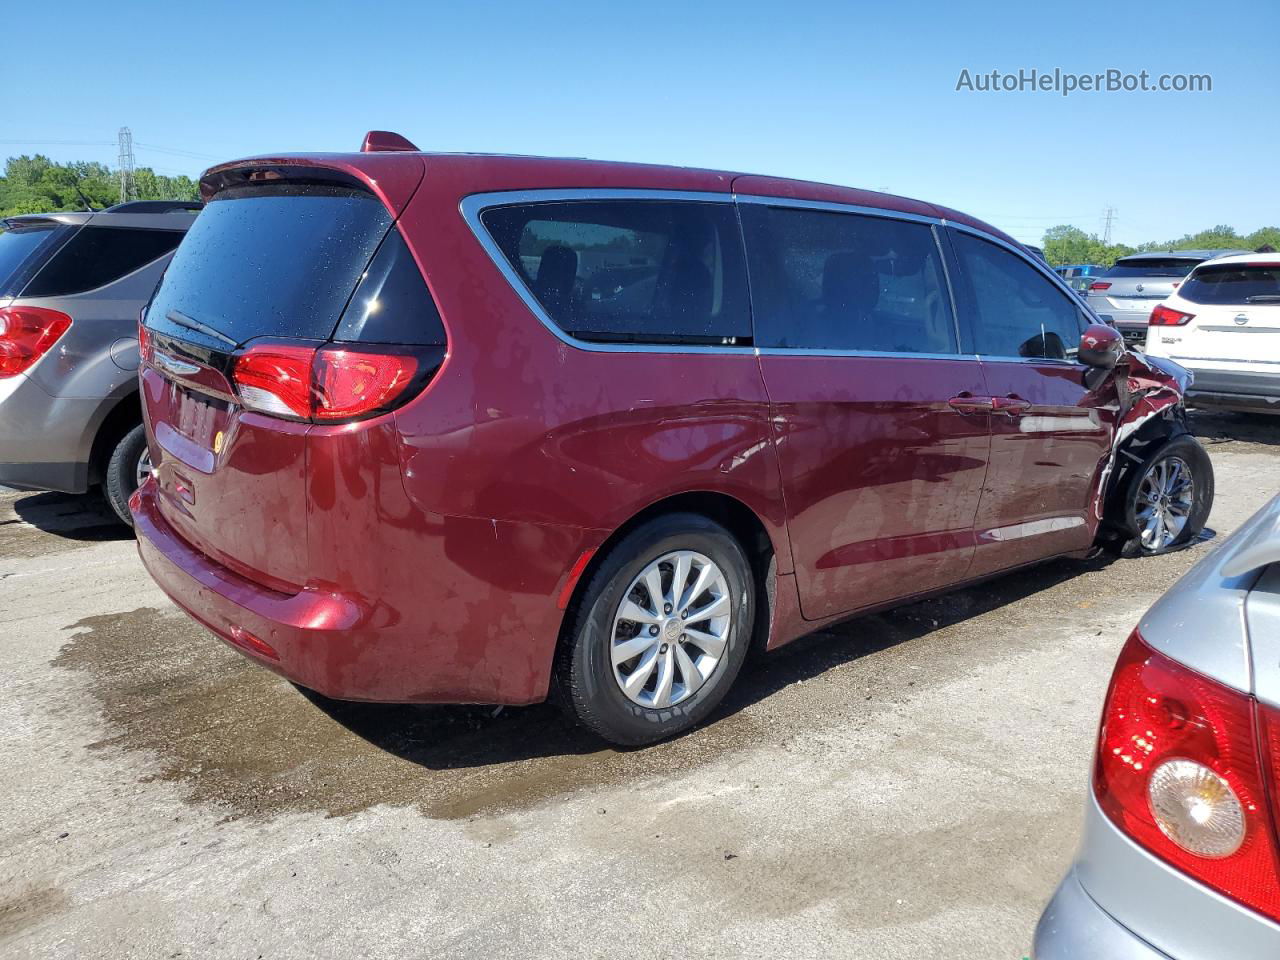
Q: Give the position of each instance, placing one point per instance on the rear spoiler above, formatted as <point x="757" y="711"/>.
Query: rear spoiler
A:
<point x="1260" y="548"/>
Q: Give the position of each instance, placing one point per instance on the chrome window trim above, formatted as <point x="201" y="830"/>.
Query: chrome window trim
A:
<point x="473" y="205"/>
<point x="834" y="207"/>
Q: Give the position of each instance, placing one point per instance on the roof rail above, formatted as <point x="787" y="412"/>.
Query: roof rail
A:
<point x="384" y="141"/>
<point x="154" y="206"/>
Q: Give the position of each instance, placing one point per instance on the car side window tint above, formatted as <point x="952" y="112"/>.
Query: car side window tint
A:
<point x="97" y="256"/>
<point x="631" y="271"/>
<point x="1017" y="311"/>
<point x="822" y="280"/>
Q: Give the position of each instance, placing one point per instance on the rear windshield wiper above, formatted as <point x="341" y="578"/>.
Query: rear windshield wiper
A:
<point x="1263" y="298"/>
<point x="182" y="320"/>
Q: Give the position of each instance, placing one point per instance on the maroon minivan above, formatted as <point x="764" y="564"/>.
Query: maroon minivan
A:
<point x="451" y="428"/>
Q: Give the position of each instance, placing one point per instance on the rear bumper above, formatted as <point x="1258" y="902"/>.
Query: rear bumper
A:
<point x="1248" y="390"/>
<point x="45" y="441"/>
<point x="444" y="644"/>
<point x="1073" y="927"/>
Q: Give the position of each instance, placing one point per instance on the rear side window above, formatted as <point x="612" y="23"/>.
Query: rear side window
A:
<point x="631" y="271"/>
<point x="839" y="281"/>
<point x="278" y="261"/>
<point x="96" y="256"/>
<point x="1016" y="310"/>
<point x="392" y="303"/>
<point x="1152" y="267"/>
<point x="23" y="247"/>
<point x="1233" y="285"/>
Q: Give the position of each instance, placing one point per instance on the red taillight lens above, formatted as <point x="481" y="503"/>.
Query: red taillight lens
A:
<point x="1178" y="771"/>
<point x="26" y="334"/>
<point x="1099" y="285"/>
<point x="1162" y="316"/>
<point x="326" y="384"/>
<point x="350" y="384"/>
<point x="276" y="379"/>
<point x="144" y="340"/>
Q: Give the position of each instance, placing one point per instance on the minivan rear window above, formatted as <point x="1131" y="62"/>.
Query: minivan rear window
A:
<point x="277" y="261"/>
<point x="1152" y="267"/>
<point x="23" y="246"/>
<point x="631" y="271"/>
<point x="1233" y="285"/>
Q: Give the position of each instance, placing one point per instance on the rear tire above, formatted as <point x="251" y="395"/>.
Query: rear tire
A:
<point x="128" y="461"/>
<point x="691" y="662"/>
<point x="1168" y="498"/>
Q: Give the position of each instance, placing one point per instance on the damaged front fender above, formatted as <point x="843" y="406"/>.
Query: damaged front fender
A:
<point x="1146" y="389"/>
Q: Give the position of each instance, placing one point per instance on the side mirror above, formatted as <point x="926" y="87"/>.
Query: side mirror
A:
<point x="1100" y="346"/>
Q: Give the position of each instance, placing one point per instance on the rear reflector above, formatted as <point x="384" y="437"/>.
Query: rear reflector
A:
<point x="1162" y="316"/>
<point x="245" y="640"/>
<point x="26" y="334"/>
<point x="1178" y="771"/>
<point x="332" y="383"/>
<point x="1099" y="285"/>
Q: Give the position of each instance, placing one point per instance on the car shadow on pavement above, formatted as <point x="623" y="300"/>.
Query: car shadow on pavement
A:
<point x="1215" y="426"/>
<point x="84" y="517"/>
<point x="454" y="737"/>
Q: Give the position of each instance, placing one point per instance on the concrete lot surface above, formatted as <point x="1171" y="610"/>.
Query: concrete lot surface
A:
<point x="908" y="785"/>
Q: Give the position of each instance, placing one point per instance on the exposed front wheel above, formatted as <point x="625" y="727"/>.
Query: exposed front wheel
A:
<point x="1167" y="500"/>
<point x="660" y="632"/>
<point x="128" y="466"/>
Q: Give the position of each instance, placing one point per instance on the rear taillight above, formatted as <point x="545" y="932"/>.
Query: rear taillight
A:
<point x="1178" y="771"/>
<point x="330" y="384"/>
<point x="1163" y="316"/>
<point x="26" y="334"/>
<point x="1099" y="285"/>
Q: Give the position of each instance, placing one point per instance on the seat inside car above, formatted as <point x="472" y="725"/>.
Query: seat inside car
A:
<point x="557" y="274"/>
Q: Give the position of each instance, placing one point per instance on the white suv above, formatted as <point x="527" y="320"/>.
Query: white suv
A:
<point x="1223" y="324"/>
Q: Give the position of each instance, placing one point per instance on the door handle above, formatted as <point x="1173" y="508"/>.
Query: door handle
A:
<point x="968" y="403"/>
<point x="1013" y="405"/>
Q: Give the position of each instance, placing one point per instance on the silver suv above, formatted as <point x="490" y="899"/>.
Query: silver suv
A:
<point x="1180" y="858"/>
<point x="71" y="288"/>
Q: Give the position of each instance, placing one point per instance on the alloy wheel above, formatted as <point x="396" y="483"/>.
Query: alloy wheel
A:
<point x="1165" y="498"/>
<point x="671" y="629"/>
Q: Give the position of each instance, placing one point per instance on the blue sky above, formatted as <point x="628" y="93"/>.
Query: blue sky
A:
<point x="842" y="92"/>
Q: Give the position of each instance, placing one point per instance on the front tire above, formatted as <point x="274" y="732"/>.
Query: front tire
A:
<point x="128" y="465"/>
<point x="660" y="632"/>
<point x="1168" y="498"/>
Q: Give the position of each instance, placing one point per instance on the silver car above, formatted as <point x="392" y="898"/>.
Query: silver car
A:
<point x="71" y="288"/>
<point x="1180" y="857"/>
<point x="1125" y="295"/>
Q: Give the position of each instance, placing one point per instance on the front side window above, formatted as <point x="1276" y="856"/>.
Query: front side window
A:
<point x="1233" y="284"/>
<point x="630" y="271"/>
<point x="839" y="281"/>
<point x="1017" y="311"/>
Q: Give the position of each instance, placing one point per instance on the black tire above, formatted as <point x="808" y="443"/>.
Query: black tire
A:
<point x="121" y="477"/>
<point x="1186" y="449"/>
<point x="584" y="669"/>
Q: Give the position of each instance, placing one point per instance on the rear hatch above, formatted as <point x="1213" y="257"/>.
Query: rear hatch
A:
<point x="282" y="308"/>
<point x="1138" y="283"/>
<point x="1236" y="316"/>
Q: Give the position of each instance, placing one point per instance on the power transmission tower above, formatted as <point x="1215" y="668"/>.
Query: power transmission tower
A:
<point x="1109" y="215"/>
<point x="126" y="165"/>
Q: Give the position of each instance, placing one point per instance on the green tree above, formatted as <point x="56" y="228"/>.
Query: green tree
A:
<point x="36" y="184"/>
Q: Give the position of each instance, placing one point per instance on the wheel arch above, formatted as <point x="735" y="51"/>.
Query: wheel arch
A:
<point x="123" y="416"/>
<point x="722" y="508"/>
